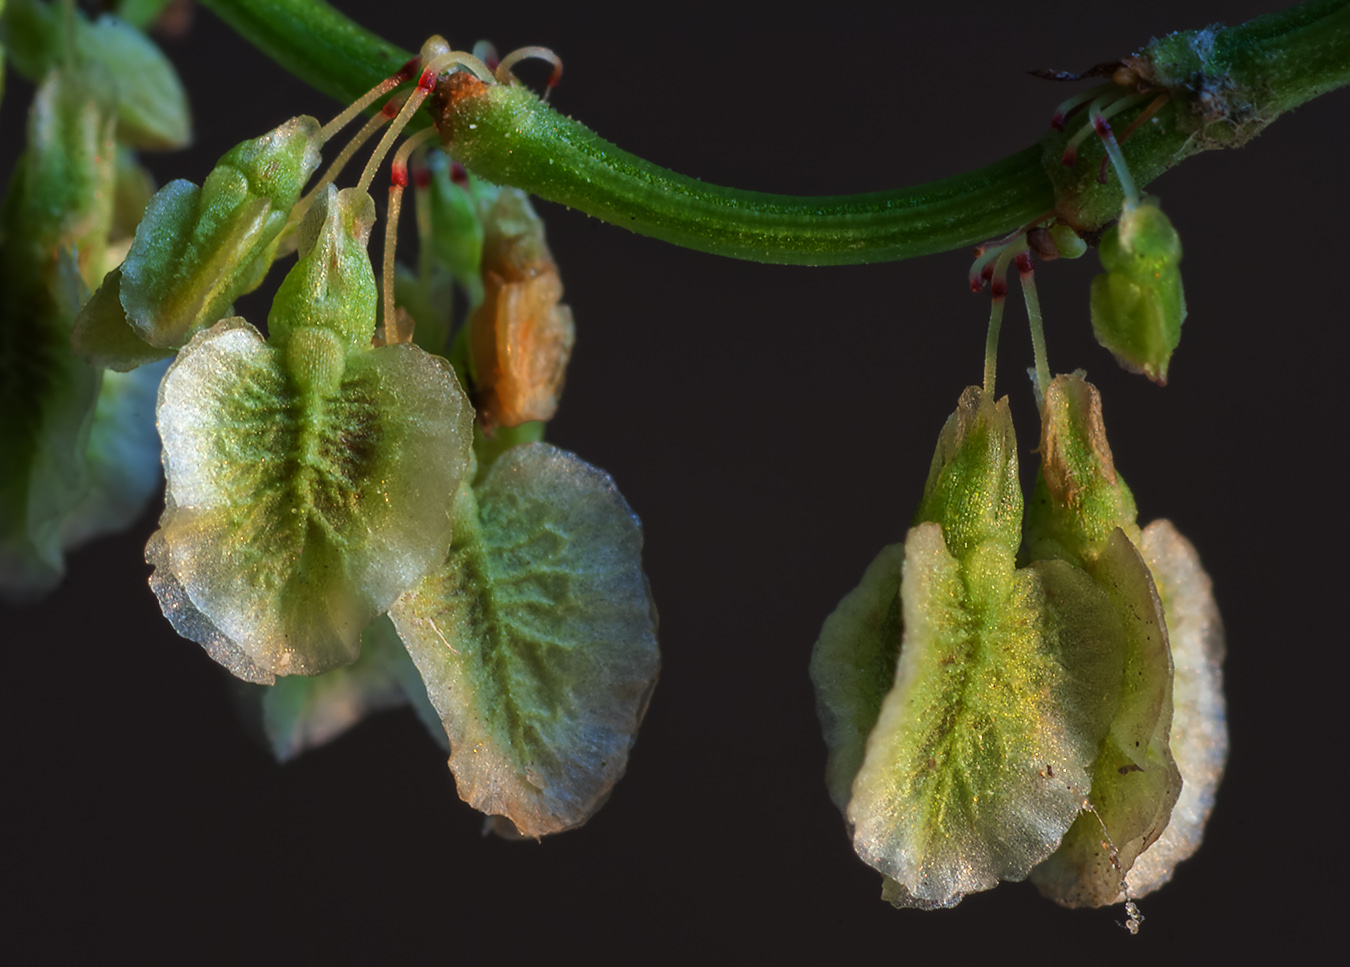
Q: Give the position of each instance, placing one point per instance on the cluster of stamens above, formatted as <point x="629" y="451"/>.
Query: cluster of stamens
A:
<point x="435" y="60"/>
<point x="1124" y="91"/>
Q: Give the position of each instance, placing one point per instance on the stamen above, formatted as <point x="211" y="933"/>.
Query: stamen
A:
<point x="386" y="113"/>
<point x="1104" y="132"/>
<point x="1025" y="267"/>
<point x="1074" y="103"/>
<point x="1154" y="106"/>
<point x="485" y="51"/>
<point x="504" y="75"/>
<point x="393" y="332"/>
<point x="983" y="268"/>
<point x="1106" y="108"/>
<point x="404" y="73"/>
<point x="998" y="288"/>
<point x="425" y="83"/>
<point x="422" y="212"/>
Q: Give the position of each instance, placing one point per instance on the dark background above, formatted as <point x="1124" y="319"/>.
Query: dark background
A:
<point x="772" y="426"/>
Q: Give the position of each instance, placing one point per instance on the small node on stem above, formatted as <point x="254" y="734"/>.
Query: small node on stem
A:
<point x="398" y="178"/>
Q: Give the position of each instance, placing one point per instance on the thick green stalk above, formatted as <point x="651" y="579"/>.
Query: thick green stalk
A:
<point x="506" y="135"/>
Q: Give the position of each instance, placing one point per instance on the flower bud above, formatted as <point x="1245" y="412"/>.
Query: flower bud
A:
<point x="1138" y="305"/>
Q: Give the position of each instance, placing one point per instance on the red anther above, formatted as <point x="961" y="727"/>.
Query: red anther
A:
<point x="391" y="107"/>
<point x="421" y="176"/>
<point x="406" y="72"/>
<point x="457" y="173"/>
<point x="999" y="288"/>
<point x="1024" y="263"/>
<point x="987" y="272"/>
<point x="976" y="283"/>
<point x="1100" y="126"/>
<point x="1057" y="122"/>
<point x="1069" y="157"/>
<point x="427" y="81"/>
<point x="398" y="175"/>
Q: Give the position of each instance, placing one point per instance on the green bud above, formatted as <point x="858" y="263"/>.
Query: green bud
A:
<point x="1068" y="242"/>
<point x="456" y="228"/>
<point x="332" y="285"/>
<point x="972" y="489"/>
<point x="151" y="105"/>
<point x="198" y="249"/>
<point x="1138" y="306"/>
<point x="536" y="639"/>
<point x="1079" y="499"/>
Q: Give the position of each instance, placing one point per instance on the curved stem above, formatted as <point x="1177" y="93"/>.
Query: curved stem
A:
<point x="507" y="135"/>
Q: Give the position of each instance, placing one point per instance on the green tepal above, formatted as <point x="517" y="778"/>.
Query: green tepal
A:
<point x="1082" y="512"/>
<point x="198" y="249"/>
<point x="332" y="285"/>
<point x="1138" y="305"/>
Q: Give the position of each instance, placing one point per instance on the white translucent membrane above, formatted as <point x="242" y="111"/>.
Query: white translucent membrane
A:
<point x="957" y="792"/>
<point x="292" y="522"/>
<point x="1199" y="722"/>
<point x="853" y="665"/>
<point x="537" y="640"/>
<point x="300" y="713"/>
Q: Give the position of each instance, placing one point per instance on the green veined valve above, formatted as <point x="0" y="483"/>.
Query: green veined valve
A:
<point x="309" y="480"/>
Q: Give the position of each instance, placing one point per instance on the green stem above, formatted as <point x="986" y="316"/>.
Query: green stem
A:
<point x="506" y="135"/>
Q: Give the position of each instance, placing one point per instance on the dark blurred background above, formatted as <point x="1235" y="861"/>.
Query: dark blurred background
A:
<point x="773" y="427"/>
